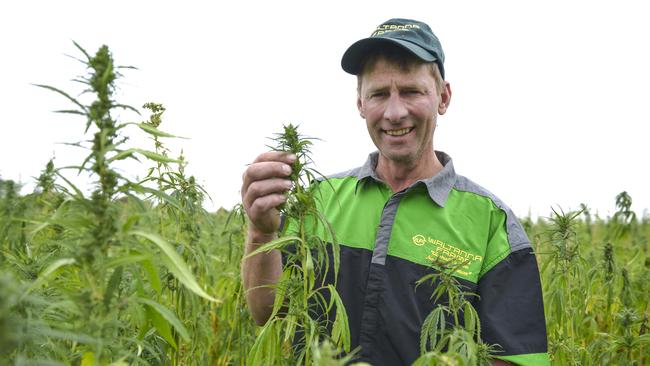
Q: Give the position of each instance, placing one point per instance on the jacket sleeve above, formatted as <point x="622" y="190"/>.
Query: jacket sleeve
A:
<point x="510" y="306"/>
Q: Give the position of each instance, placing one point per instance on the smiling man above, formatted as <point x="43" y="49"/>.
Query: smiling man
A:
<point x="400" y="103"/>
<point x="403" y="213"/>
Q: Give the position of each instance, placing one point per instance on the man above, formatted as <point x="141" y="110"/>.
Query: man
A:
<point x="404" y="211"/>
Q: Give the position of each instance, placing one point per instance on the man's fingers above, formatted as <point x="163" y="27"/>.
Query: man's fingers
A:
<point x="264" y="185"/>
<point x="266" y="203"/>
<point x="267" y="170"/>
<point x="271" y="164"/>
<point x="258" y="189"/>
<point x="264" y="170"/>
<point x="281" y="156"/>
<point x="263" y="214"/>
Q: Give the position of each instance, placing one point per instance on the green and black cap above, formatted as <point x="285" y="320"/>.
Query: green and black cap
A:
<point x="412" y="35"/>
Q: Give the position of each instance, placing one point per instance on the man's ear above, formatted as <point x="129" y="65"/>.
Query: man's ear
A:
<point x="445" y="98"/>
<point x="360" y="107"/>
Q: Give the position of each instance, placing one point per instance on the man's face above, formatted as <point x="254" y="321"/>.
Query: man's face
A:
<point x="400" y="108"/>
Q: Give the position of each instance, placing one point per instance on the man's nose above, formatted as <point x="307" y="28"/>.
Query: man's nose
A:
<point x="395" y="109"/>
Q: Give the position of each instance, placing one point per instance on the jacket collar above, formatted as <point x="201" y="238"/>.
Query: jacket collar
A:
<point x="437" y="186"/>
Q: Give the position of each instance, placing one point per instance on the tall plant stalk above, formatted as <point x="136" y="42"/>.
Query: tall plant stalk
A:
<point x="302" y="292"/>
<point x="107" y="247"/>
<point x="567" y="278"/>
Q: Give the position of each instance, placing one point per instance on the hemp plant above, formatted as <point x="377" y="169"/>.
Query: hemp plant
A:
<point x="564" y="298"/>
<point x="624" y="220"/>
<point x="102" y="276"/>
<point x="309" y="245"/>
<point x="457" y="343"/>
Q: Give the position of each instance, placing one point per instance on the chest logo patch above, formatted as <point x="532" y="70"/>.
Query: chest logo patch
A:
<point x="449" y="255"/>
<point x="419" y="240"/>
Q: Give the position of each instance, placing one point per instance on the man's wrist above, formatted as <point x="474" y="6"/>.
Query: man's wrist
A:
<point x="257" y="238"/>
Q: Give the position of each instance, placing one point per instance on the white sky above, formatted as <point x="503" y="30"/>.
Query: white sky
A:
<point x="550" y="98"/>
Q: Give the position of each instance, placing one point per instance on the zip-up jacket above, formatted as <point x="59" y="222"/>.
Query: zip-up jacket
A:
<point x="389" y="240"/>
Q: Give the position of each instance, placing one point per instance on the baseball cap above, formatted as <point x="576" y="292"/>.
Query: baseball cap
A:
<point x="412" y="35"/>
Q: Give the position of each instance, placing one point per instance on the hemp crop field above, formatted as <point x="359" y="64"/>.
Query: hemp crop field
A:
<point x="136" y="272"/>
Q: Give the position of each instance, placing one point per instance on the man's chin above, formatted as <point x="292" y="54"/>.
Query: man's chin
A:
<point x="397" y="158"/>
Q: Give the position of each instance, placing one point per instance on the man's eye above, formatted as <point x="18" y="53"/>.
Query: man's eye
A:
<point x="412" y="92"/>
<point x="377" y="94"/>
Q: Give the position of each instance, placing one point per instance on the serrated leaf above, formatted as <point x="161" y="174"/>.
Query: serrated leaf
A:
<point x="162" y="195"/>
<point x="157" y="157"/>
<point x="175" y="264"/>
<point x="169" y="316"/>
<point x="156" y="132"/>
<point x="341" y="327"/>
<point x="78" y="193"/>
<point x="49" y="270"/>
<point x="161" y="325"/>
<point x="470" y="318"/>
<point x="61" y="92"/>
<point x="82" y="50"/>
<point x="70" y="111"/>
<point x="152" y="273"/>
<point x="123" y="155"/>
<point x="148" y="154"/>
<point x="274" y="244"/>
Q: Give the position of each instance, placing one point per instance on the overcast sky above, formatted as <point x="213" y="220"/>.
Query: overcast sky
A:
<point x="550" y="101"/>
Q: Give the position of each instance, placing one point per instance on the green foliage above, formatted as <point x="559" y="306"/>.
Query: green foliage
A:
<point x="125" y="274"/>
<point x="595" y="284"/>
<point x="138" y="273"/>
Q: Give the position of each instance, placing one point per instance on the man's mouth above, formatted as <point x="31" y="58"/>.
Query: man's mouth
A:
<point x="400" y="132"/>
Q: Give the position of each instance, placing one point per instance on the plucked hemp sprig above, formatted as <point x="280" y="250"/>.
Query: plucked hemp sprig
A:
<point x="301" y="206"/>
<point x="293" y="142"/>
<point x="302" y="291"/>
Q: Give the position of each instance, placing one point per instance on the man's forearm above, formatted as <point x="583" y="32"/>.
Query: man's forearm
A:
<point x="258" y="272"/>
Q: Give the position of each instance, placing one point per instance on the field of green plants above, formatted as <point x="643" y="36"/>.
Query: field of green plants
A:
<point x="137" y="272"/>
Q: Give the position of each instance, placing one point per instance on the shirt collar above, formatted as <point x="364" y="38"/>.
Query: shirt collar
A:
<point x="437" y="186"/>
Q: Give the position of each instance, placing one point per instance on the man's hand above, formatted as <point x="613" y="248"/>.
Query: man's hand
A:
<point x="263" y="189"/>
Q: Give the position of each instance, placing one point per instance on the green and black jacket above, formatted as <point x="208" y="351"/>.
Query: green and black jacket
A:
<point x="390" y="240"/>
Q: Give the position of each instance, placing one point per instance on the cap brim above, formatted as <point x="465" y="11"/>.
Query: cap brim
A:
<point x="354" y="55"/>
